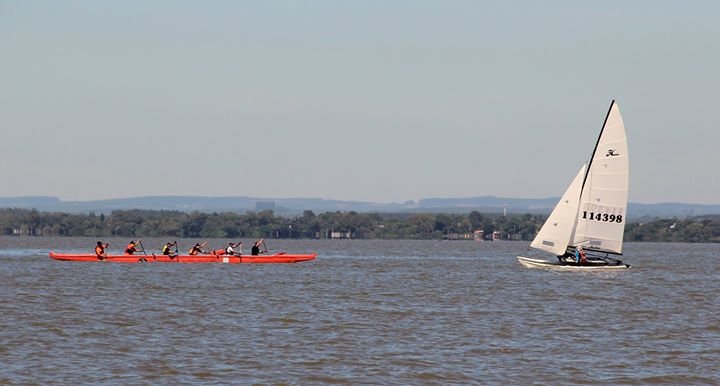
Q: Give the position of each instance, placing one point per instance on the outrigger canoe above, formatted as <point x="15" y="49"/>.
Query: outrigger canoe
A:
<point x="281" y="257"/>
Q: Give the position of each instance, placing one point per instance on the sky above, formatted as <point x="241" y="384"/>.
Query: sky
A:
<point x="382" y="101"/>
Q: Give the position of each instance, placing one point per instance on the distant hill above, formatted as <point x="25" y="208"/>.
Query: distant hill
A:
<point x="195" y="203"/>
<point x="294" y="206"/>
<point x="489" y="204"/>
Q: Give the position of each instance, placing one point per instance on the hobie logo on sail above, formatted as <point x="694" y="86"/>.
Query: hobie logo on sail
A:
<point x="611" y="153"/>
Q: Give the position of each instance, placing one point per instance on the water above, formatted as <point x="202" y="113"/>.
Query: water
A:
<point x="364" y="312"/>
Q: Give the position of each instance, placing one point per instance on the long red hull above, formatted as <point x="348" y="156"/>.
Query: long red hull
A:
<point x="281" y="257"/>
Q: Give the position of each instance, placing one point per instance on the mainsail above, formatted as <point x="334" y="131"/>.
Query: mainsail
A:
<point x="603" y="202"/>
<point x="592" y="212"/>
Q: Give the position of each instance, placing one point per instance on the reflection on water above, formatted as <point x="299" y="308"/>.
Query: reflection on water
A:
<point x="378" y="312"/>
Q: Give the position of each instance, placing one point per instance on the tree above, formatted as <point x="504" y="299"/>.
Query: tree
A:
<point x="476" y="219"/>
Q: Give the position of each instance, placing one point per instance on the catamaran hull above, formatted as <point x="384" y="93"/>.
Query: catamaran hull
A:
<point x="243" y="259"/>
<point x="537" y="263"/>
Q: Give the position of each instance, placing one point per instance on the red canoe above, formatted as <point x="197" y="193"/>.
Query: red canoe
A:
<point x="281" y="257"/>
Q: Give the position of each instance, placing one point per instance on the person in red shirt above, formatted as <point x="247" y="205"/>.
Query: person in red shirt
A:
<point x="132" y="247"/>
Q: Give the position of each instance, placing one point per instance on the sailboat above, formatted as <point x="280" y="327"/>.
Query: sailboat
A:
<point x="585" y="229"/>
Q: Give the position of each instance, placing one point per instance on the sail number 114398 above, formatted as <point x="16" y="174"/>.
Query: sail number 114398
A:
<point x="604" y="217"/>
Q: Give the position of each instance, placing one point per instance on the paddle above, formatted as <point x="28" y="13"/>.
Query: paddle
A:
<point x="264" y="246"/>
<point x="238" y="244"/>
<point x="143" y="247"/>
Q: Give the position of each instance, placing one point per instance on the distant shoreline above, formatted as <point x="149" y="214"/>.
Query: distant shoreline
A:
<point x="328" y="225"/>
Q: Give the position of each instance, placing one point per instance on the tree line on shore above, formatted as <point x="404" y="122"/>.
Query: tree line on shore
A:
<point x="426" y="226"/>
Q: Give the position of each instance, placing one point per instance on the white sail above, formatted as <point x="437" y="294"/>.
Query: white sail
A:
<point x="603" y="202"/>
<point x="555" y="234"/>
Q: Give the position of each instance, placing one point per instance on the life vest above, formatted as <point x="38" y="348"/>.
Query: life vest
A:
<point x="130" y="249"/>
<point x="99" y="250"/>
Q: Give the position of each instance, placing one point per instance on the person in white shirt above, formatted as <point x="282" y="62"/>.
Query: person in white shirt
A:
<point x="230" y="250"/>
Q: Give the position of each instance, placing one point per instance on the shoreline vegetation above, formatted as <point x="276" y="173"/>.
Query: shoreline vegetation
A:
<point x="339" y="225"/>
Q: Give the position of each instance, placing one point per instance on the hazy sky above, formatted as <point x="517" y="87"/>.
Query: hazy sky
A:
<point x="354" y="100"/>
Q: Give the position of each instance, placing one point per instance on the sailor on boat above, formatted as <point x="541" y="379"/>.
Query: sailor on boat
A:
<point x="574" y="257"/>
<point x="580" y="257"/>
<point x="577" y="256"/>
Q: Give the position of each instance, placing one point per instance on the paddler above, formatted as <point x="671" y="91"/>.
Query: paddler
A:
<point x="167" y="251"/>
<point x="132" y="247"/>
<point x="256" y="248"/>
<point x="100" y="250"/>
<point x="230" y="250"/>
<point x="197" y="248"/>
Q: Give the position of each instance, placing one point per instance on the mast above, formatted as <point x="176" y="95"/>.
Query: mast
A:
<point x="592" y="156"/>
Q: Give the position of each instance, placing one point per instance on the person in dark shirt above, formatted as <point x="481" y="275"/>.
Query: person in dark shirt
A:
<point x="167" y="251"/>
<point x="256" y="248"/>
<point x="197" y="249"/>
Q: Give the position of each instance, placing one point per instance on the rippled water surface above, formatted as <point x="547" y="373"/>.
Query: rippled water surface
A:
<point x="363" y="312"/>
